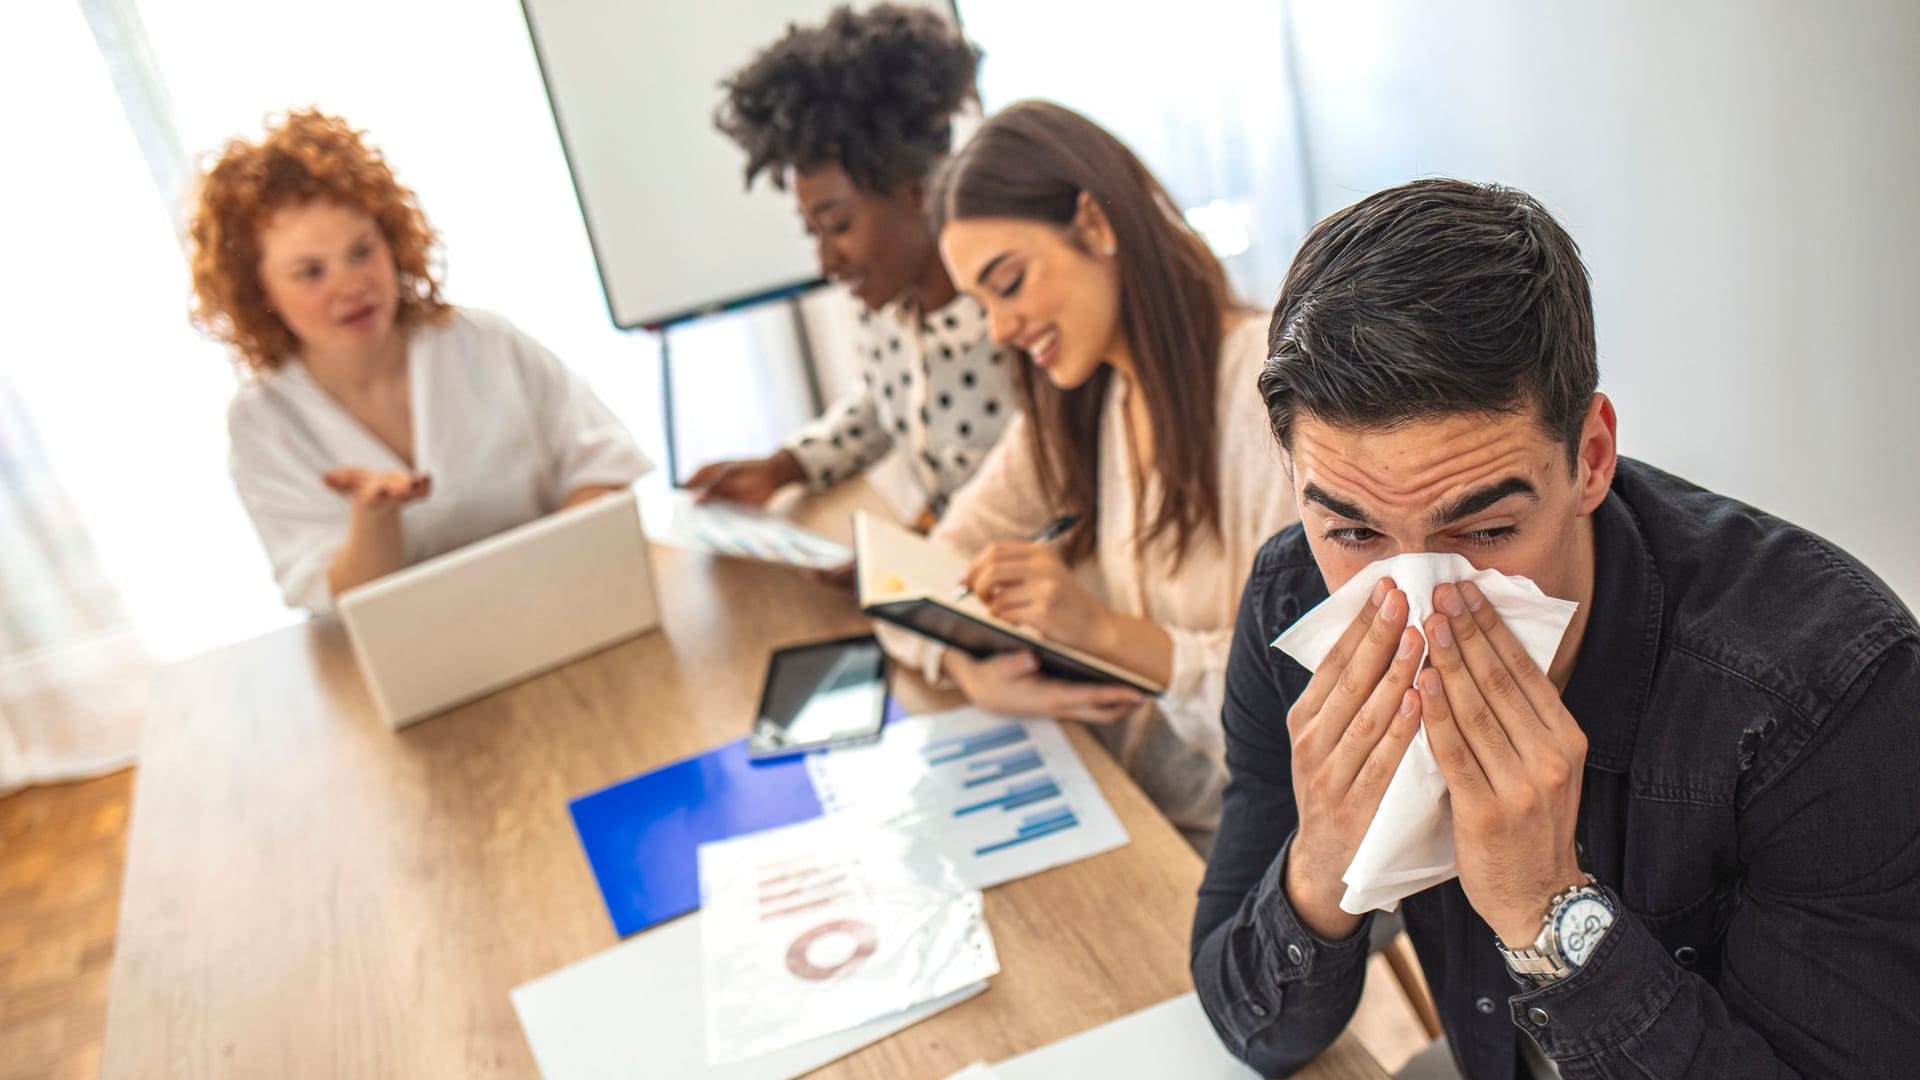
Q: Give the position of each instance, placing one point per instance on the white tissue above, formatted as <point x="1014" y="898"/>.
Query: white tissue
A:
<point x="1409" y="845"/>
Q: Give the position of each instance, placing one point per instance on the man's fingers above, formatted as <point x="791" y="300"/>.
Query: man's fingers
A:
<point x="1376" y="772"/>
<point x="1468" y="707"/>
<point x="1531" y="682"/>
<point x="1356" y="681"/>
<point x="1321" y="685"/>
<point x="1462" y="770"/>
<point x="1505" y="697"/>
<point x="1376" y="716"/>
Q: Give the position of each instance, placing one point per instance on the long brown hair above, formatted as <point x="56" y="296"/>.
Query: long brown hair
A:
<point x="1031" y="162"/>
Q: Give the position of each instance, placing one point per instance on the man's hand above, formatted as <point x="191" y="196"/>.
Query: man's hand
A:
<point x="1349" y="729"/>
<point x="1512" y="756"/>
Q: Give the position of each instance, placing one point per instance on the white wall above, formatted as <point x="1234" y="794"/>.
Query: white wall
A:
<point x="1743" y="178"/>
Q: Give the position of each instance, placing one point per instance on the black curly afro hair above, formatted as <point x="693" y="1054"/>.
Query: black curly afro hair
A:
<point x="873" y="92"/>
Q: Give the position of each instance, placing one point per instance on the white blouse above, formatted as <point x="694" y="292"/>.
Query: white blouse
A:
<point x="504" y="429"/>
<point x="1173" y="745"/>
<point x="933" y="385"/>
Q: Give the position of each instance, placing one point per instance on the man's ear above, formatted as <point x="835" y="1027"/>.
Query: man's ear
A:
<point x="1597" y="455"/>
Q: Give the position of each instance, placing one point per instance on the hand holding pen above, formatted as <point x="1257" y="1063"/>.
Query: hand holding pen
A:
<point x="1028" y="584"/>
<point x="1048" y="533"/>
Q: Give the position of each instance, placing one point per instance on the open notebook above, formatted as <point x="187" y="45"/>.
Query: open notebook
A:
<point x="912" y="582"/>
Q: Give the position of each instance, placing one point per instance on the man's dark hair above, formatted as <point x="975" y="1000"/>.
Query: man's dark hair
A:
<point x="1431" y="299"/>
<point x="871" y="91"/>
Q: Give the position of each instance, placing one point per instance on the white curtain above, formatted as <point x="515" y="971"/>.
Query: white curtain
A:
<point x="77" y="371"/>
<point x="63" y="626"/>
<point x="127" y="402"/>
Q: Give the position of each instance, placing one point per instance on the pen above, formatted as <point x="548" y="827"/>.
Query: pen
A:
<point x="1051" y="531"/>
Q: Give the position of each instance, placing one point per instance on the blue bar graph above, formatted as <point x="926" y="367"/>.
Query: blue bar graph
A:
<point x="964" y="746"/>
<point x="1002" y="767"/>
<point x="1035" y="826"/>
<point x="1027" y="793"/>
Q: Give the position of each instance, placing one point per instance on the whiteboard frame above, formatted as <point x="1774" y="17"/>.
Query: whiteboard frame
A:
<point x="659" y="323"/>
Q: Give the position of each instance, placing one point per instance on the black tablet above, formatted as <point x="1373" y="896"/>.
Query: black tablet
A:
<point x="830" y="693"/>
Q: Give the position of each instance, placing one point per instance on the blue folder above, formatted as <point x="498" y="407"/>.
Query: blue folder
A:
<point x="641" y="835"/>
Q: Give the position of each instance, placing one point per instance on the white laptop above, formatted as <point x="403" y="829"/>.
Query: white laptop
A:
<point x="502" y="610"/>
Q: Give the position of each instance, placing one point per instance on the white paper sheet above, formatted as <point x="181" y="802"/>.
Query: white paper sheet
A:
<point x="636" y="1012"/>
<point x="1002" y="798"/>
<point x="814" y="928"/>
<point x="1173" y="1038"/>
<point x="741" y="531"/>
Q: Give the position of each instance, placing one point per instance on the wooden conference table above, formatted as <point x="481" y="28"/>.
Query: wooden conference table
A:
<point x="309" y="894"/>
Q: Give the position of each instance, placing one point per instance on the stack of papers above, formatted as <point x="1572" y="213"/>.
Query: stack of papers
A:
<point x="986" y="799"/>
<point x="819" y="927"/>
<point x="636" y="1012"/>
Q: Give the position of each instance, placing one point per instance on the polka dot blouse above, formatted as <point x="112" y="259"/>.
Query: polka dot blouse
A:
<point x="932" y="385"/>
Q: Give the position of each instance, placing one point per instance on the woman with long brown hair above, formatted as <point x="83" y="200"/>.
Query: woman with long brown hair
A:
<point x="1142" y="424"/>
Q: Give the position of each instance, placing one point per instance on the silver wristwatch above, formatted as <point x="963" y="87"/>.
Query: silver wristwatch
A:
<point x="1575" y="922"/>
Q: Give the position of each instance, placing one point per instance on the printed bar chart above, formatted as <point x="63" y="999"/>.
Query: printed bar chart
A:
<point x="1035" y="826"/>
<point x="946" y="751"/>
<point x="1004" y="798"/>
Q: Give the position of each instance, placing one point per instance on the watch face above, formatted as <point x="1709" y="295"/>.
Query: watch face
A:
<point x="1579" y="926"/>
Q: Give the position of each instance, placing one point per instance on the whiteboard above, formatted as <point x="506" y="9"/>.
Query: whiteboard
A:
<point x="633" y="85"/>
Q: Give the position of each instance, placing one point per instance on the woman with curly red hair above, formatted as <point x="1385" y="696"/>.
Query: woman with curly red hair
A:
<point x="381" y="425"/>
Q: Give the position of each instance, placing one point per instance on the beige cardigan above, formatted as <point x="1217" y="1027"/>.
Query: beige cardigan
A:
<point x="1172" y="745"/>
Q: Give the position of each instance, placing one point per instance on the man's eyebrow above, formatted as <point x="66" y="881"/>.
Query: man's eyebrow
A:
<point x="1313" y="494"/>
<point x="1475" y="501"/>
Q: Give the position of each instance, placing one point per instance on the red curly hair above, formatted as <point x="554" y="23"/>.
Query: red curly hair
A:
<point x="307" y="156"/>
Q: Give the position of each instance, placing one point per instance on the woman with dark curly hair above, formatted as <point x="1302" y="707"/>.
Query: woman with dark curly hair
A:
<point x="367" y="390"/>
<point x="855" y="114"/>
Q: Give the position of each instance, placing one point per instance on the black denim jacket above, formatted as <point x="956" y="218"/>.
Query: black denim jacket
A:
<point x="1751" y="700"/>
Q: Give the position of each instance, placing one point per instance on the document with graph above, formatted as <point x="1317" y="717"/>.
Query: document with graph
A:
<point x="1004" y="798"/>
<point x="814" y="928"/>
<point x="741" y="532"/>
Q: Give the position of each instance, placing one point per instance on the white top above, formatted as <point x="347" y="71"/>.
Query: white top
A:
<point x="933" y="385"/>
<point x="499" y="423"/>
<point x="1173" y="745"/>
